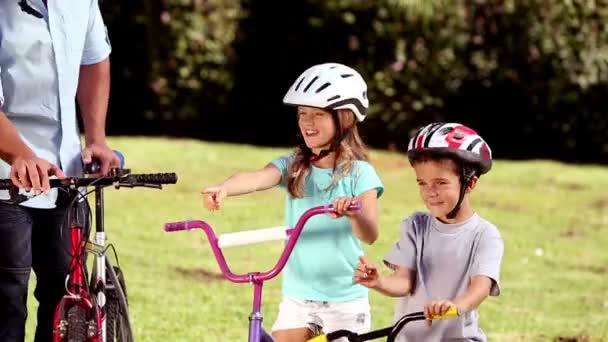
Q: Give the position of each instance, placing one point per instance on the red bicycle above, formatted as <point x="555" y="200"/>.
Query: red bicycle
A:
<point x="93" y="309"/>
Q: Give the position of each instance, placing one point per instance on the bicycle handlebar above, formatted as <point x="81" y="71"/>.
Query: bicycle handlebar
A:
<point x="392" y="332"/>
<point x="117" y="177"/>
<point x="214" y="241"/>
<point x="128" y="180"/>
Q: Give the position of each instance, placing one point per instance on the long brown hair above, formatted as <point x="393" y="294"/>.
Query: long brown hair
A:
<point x="351" y="148"/>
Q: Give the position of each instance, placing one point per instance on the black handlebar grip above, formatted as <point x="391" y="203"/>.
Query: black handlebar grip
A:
<point x="156" y="178"/>
<point x="5" y="184"/>
<point x="94" y="166"/>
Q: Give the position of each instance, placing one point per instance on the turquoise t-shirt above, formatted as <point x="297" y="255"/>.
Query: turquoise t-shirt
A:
<point x="322" y="264"/>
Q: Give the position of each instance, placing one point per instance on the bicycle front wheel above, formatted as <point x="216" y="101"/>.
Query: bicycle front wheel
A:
<point x="118" y="325"/>
<point x="77" y="324"/>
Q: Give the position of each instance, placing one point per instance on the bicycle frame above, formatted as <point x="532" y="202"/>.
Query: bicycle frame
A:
<point x="100" y="240"/>
<point x="77" y="284"/>
<point x="257" y="279"/>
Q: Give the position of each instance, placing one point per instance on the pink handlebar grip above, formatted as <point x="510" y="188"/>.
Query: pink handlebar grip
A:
<point x="355" y="206"/>
<point x="176" y="226"/>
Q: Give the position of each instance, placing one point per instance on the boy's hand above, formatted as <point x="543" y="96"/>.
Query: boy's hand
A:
<point x="366" y="274"/>
<point x="213" y="197"/>
<point x="436" y="308"/>
<point x="341" y="205"/>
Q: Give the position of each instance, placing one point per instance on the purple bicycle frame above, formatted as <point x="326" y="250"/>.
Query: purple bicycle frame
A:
<point x="256" y="278"/>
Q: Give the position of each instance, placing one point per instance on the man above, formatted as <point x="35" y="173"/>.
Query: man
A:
<point x="51" y="54"/>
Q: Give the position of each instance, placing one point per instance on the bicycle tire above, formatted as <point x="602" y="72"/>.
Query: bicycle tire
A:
<point x="111" y="320"/>
<point x="118" y="313"/>
<point x="77" y="324"/>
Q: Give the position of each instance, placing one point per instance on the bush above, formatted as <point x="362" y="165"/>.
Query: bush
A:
<point x="529" y="76"/>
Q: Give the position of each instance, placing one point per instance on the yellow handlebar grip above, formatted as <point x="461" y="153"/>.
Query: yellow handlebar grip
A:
<point x="320" y="338"/>
<point x="452" y="312"/>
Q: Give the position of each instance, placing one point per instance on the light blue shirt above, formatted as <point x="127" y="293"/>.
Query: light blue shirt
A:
<point x="322" y="264"/>
<point x="40" y="61"/>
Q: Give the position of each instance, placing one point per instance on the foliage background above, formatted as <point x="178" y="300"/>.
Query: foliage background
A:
<point x="530" y="76"/>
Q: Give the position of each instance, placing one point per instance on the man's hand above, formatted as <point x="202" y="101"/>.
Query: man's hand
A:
<point x="32" y="173"/>
<point x="101" y="152"/>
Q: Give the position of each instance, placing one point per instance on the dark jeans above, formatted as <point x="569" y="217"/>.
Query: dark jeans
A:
<point x="38" y="239"/>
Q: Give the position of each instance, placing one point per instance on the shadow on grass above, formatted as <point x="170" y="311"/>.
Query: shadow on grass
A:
<point x="199" y="274"/>
<point x="581" y="338"/>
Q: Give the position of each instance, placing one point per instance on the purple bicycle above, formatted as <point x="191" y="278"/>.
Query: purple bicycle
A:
<point x="257" y="279"/>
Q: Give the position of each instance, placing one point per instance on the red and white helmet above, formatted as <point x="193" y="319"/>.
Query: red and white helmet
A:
<point x="452" y="139"/>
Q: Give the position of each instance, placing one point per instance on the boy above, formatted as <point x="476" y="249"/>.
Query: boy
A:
<point x="449" y="256"/>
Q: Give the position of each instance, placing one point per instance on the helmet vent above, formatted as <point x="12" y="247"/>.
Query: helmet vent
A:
<point x="434" y="127"/>
<point x="446" y="130"/>
<point x="473" y="144"/>
<point x="299" y="84"/>
<point x="347" y="75"/>
<point x="311" y="83"/>
<point x="323" y="87"/>
<point x="335" y="97"/>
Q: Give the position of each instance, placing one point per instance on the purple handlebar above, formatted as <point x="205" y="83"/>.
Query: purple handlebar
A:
<point x="177" y="226"/>
<point x="257" y="276"/>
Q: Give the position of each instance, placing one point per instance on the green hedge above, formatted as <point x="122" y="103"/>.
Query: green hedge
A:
<point x="530" y="76"/>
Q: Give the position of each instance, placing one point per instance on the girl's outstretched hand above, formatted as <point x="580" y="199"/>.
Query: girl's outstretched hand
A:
<point x="213" y="197"/>
<point x="366" y="274"/>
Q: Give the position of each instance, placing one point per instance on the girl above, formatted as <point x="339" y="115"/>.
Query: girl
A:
<point x="329" y="166"/>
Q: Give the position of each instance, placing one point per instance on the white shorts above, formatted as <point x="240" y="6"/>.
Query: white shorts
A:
<point x="297" y="313"/>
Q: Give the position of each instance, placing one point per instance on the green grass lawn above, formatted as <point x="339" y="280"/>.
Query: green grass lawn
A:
<point x="177" y="294"/>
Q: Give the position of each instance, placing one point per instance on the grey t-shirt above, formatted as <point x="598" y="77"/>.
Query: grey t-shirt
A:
<point x="445" y="257"/>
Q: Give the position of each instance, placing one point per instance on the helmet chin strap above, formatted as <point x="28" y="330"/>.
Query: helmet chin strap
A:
<point x="466" y="175"/>
<point x="315" y="157"/>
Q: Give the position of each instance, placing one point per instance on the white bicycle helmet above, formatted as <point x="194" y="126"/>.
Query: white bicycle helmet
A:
<point x="330" y="86"/>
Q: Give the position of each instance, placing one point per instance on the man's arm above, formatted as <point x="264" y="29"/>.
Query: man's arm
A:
<point x="11" y="144"/>
<point x="27" y="170"/>
<point x="93" y="95"/>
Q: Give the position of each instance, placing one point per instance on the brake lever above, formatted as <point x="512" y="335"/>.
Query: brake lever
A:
<point x="15" y="197"/>
<point x="145" y="185"/>
<point x="153" y="186"/>
<point x="14" y="201"/>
